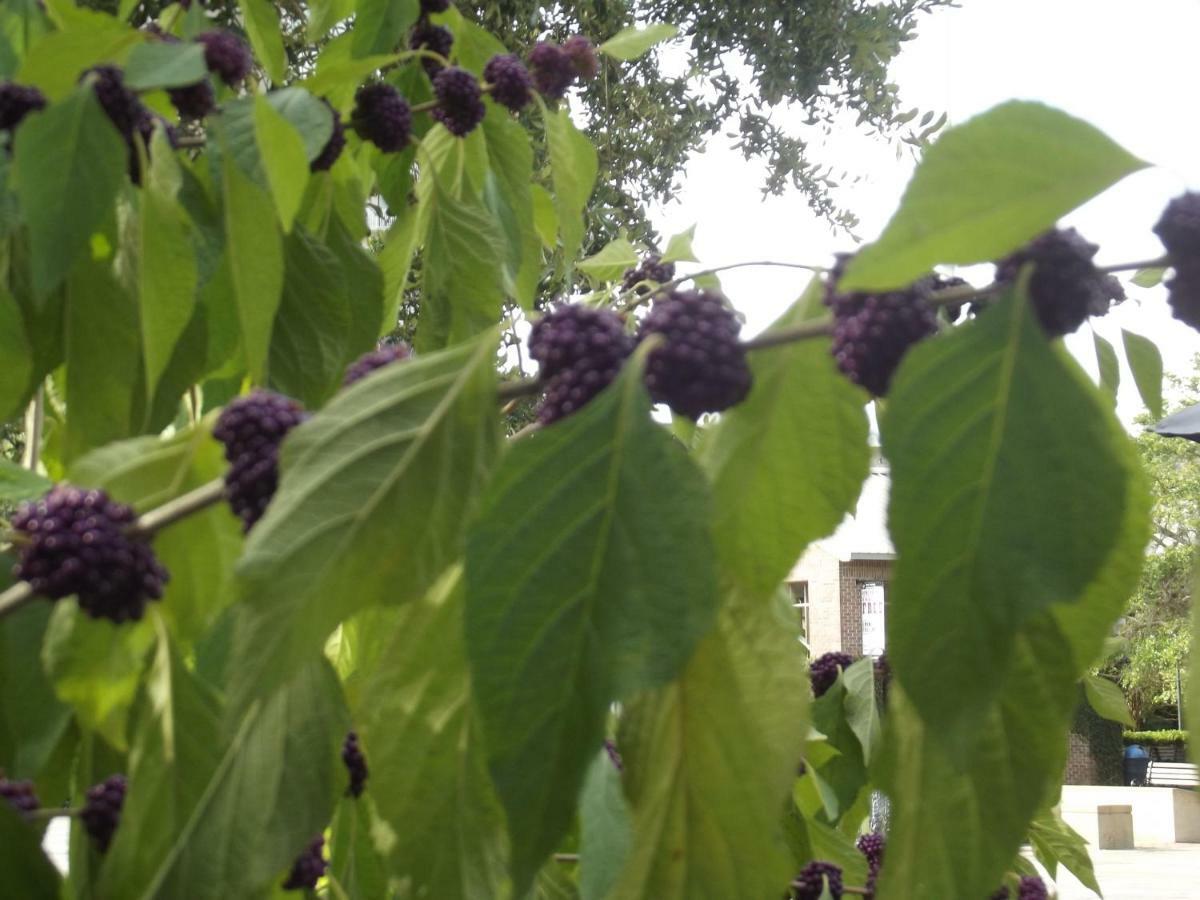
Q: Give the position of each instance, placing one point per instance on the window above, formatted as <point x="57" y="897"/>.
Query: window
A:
<point x="800" y="604"/>
<point x="874" y="616"/>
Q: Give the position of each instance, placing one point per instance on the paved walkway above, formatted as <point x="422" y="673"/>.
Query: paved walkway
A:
<point x="1153" y="873"/>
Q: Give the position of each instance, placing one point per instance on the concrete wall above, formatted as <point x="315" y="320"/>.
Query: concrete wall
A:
<point x="1160" y="815"/>
<point x="819" y="569"/>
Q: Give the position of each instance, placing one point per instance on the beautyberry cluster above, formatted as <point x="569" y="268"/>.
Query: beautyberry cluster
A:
<point x="20" y="795"/>
<point x="512" y="85"/>
<point x="375" y="359"/>
<point x="652" y="269"/>
<point x="810" y="884"/>
<point x="102" y="810"/>
<point x="872" y="332"/>
<point x="434" y="38"/>
<point x="872" y="847"/>
<point x="579" y="351"/>
<point x="1179" y="231"/>
<point x="555" y="68"/>
<point x="823" y="671"/>
<point x="356" y="764"/>
<point x="191" y="101"/>
<point x="333" y="147"/>
<point x="460" y="101"/>
<point x="1065" y="287"/>
<point x="252" y="428"/>
<point x="1030" y="887"/>
<point x="74" y="542"/>
<point x="434" y="6"/>
<point x="382" y="116"/>
<point x="16" y="102"/>
<point x="308" y="868"/>
<point x="226" y="56"/>
<point x="701" y="367"/>
<point x="126" y="112"/>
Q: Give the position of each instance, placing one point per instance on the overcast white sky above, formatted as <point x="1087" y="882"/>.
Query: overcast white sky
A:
<point x="1127" y="67"/>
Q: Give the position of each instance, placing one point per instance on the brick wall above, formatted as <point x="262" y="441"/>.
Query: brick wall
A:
<point x="852" y="573"/>
<point x="1094" y="749"/>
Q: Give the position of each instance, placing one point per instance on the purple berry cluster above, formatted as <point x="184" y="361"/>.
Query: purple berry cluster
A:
<point x="872" y="847"/>
<point x="1179" y="231"/>
<point x="1065" y="287"/>
<point x="428" y="7"/>
<point x="102" y="810"/>
<point x="252" y="428"/>
<point x="814" y="878"/>
<point x="823" y="671"/>
<point x="382" y="116"/>
<point x="555" y="68"/>
<point x="1030" y="887"/>
<point x="701" y="366"/>
<point x="511" y="83"/>
<point x="435" y="39"/>
<point x="75" y="542"/>
<point x="309" y="866"/>
<point x="126" y="112"/>
<point x="460" y="101"/>
<point x="333" y="147"/>
<point x="20" y="795"/>
<point x="194" y="101"/>
<point x="226" y="56"/>
<point x="652" y="269"/>
<point x="872" y="332"/>
<point x="375" y="359"/>
<point x="579" y="351"/>
<point x="356" y="764"/>
<point x="16" y="102"/>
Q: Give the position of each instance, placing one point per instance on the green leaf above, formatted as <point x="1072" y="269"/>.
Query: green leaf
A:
<point x="307" y="114"/>
<point x="606" y="833"/>
<point x="380" y="24"/>
<point x="679" y="247"/>
<point x="363" y="279"/>
<point x="254" y="249"/>
<point x="545" y="217"/>
<point x="32" y="720"/>
<point x="573" y="167"/>
<point x="324" y="14"/>
<point x="95" y="667"/>
<point x="212" y="812"/>
<point x="262" y="27"/>
<point x="70" y="163"/>
<point x="28" y="874"/>
<point x="509" y="194"/>
<point x="710" y="761"/>
<point x="167" y="287"/>
<point x="198" y="551"/>
<point x="462" y="261"/>
<point x="611" y="262"/>
<point x="395" y="259"/>
<point x="354" y="862"/>
<point x="1109" y="366"/>
<point x="337" y="77"/>
<point x="1107" y="699"/>
<point x="1148" y="278"/>
<point x="967" y="509"/>
<point x="589" y="576"/>
<point x="1147" y="366"/>
<point x="17" y="371"/>
<point x="837" y="762"/>
<point x="422" y="738"/>
<point x="341" y="534"/>
<point x="55" y="61"/>
<point x="159" y="64"/>
<point x="862" y="711"/>
<point x="17" y="483"/>
<point x="1057" y="843"/>
<point x="311" y="334"/>
<point x="103" y="358"/>
<point x="284" y="159"/>
<point x="630" y="43"/>
<point x="789" y="462"/>
<point x="986" y="187"/>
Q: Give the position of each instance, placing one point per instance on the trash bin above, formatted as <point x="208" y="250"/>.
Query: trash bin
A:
<point x="1137" y="760"/>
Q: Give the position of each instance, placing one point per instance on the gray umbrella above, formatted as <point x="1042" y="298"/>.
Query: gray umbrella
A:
<point x="1184" y="424"/>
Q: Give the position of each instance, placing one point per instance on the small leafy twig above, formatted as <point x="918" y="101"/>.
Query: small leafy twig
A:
<point x="34" y="420"/>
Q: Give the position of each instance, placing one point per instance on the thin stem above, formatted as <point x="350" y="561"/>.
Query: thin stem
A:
<point x="566" y="857"/>
<point x="780" y="336"/>
<point x="634" y="299"/>
<point x="1160" y="263"/>
<point x="45" y="815"/>
<point x="180" y="508"/>
<point x="526" y="431"/>
<point x="510" y="390"/>
<point x="35" y="419"/>
<point x="425" y="107"/>
<point x="15" y="597"/>
<point x="191" y="140"/>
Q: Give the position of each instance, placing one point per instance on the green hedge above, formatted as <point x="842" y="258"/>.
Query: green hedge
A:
<point x="1166" y="736"/>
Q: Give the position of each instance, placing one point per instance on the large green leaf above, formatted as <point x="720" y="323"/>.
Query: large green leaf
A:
<point x="262" y="27"/>
<point x="354" y="860"/>
<point x="574" y="166"/>
<point x="18" y="483"/>
<point x="70" y="163"/>
<point x="606" y="832"/>
<point x="611" y="261"/>
<point x="632" y="42"/>
<point x="284" y="159"/>
<point x="422" y="737"/>
<point x="1057" y="843"/>
<point x="509" y="194"/>
<point x="32" y="720"/>
<point x="254" y="249"/>
<point x="1107" y="699"/>
<point x="312" y="328"/>
<point x="379" y="24"/>
<point x="198" y="551"/>
<point x="461" y="269"/>
<point x="986" y="187"/>
<point x="56" y="60"/>
<point x="709" y="763"/>
<point x="977" y="552"/>
<point x="163" y="64"/>
<point x="589" y="576"/>
<point x="28" y="874"/>
<point x="372" y="504"/>
<point x="17" y="370"/>
<point x="167" y="286"/>
<point x="212" y="812"/>
<point x="364" y="280"/>
<point x="789" y="461"/>
<point x="1147" y="366"/>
